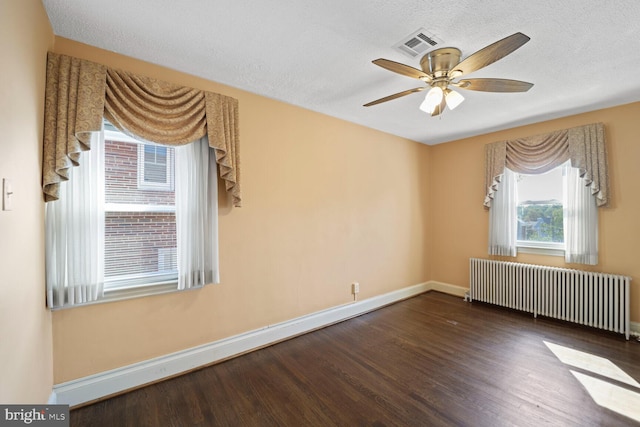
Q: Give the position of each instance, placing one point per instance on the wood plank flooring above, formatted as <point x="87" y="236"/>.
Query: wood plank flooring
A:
<point x="432" y="360"/>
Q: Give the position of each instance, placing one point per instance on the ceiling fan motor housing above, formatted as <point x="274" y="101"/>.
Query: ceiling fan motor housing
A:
<point x="438" y="62"/>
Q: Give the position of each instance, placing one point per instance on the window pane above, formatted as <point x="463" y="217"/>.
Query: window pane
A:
<point x="155" y="164"/>
<point x="155" y="154"/>
<point x="139" y="243"/>
<point x="140" y="224"/>
<point x="154" y="172"/>
<point x="540" y="209"/>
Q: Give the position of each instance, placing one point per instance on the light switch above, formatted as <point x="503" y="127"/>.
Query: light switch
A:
<point x="7" y="194"/>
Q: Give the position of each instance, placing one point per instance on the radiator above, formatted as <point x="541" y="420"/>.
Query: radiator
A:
<point x="598" y="300"/>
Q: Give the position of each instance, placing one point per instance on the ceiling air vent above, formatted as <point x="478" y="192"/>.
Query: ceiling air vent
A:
<point x="418" y="43"/>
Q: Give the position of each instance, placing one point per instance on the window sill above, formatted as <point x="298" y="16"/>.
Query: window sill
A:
<point x="541" y="250"/>
<point x="125" y="293"/>
<point x="119" y="294"/>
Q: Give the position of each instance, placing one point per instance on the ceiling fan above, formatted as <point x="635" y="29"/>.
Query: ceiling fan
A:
<point x="441" y="66"/>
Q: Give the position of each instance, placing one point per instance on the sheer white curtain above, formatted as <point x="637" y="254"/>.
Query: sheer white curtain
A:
<point x="580" y="220"/>
<point x="196" y="214"/>
<point x="75" y="233"/>
<point x="503" y="221"/>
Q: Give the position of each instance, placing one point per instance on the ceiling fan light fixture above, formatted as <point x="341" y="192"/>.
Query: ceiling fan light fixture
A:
<point x="453" y="98"/>
<point x="432" y="100"/>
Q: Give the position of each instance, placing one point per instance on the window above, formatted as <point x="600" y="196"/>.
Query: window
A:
<point x="585" y="188"/>
<point x="155" y="167"/>
<point x="107" y="238"/>
<point x="139" y="213"/>
<point x="526" y="216"/>
<point x="540" y="209"/>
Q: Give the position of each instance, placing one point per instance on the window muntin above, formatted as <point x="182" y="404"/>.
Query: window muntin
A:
<point x="540" y="209"/>
<point x="140" y="225"/>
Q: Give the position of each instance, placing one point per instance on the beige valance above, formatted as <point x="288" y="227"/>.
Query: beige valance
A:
<point x="583" y="145"/>
<point x="80" y="93"/>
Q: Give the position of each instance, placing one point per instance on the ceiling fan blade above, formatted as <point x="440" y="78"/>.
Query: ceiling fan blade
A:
<point x="405" y="70"/>
<point x="490" y="54"/>
<point x="494" y="85"/>
<point x="394" y="96"/>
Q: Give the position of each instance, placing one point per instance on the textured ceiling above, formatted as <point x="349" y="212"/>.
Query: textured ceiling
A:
<point x="583" y="54"/>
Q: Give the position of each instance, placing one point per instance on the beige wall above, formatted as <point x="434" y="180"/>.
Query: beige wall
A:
<point x="25" y="324"/>
<point x="459" y="223"/>
<point x="326" y="203"/>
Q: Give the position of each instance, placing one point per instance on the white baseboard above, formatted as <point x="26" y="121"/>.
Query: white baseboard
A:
<point x="635" y="328"/>
<point x="103" y="384"/>
<point x="447" y="288"/>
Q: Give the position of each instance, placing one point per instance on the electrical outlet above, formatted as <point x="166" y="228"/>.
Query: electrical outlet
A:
<point x="355" y="288"/>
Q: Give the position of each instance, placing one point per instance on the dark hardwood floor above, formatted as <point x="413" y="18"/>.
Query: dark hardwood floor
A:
<point x="432" y="360"/>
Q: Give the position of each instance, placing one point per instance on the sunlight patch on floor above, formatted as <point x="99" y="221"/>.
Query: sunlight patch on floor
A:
<point x="606" y="394"/>
<point x="592" y="363"/>
<point x="611" y="396"/>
